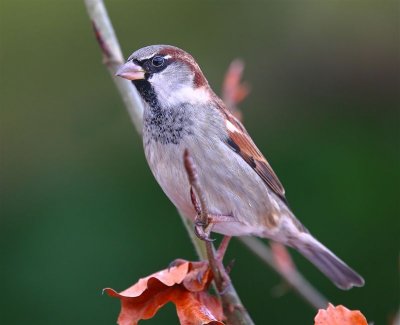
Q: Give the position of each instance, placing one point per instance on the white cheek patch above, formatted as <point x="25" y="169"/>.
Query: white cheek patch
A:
<point x="190" y="94"/>
<point x="171" y="95"/>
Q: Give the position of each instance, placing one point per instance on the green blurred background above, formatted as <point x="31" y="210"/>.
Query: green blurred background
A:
<point x="80" y="210"/>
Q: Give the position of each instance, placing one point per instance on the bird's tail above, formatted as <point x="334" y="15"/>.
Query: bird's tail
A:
<point x="327" y="262"/>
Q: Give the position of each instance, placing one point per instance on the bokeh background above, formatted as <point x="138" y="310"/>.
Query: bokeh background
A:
<point x="80" y="210"/>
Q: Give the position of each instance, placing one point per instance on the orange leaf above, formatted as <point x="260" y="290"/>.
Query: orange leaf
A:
<point x="339" y="315"/>
<point x="184" y="284"/>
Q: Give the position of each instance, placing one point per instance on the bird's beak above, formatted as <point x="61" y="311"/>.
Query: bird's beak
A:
<point x="130" y="71"/>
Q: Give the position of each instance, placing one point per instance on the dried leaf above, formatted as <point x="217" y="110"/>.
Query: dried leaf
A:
<point x="233" y="90"/>
<point x="197" y="308"/>
<point x="185" y="284"/>
<point x="339" y="315"/>
<point x="198" y="278"/>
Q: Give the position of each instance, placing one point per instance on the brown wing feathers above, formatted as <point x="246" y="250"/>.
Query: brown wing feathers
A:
<point x="241" y="143"/>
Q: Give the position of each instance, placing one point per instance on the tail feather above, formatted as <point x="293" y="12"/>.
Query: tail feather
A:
<point x="328" y="263"/>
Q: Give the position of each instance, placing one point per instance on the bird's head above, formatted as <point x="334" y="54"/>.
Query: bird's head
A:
<point x="165" y="76"/>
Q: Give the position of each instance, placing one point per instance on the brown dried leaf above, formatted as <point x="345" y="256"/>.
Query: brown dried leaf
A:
<point x="339" y="315"/>
<point x="233" y="90"/>
<point x="184" y="284"/>
<point x="197" y="308"/>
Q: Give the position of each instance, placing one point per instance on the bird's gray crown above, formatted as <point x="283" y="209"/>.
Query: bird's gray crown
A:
<point x="149" y="51"/>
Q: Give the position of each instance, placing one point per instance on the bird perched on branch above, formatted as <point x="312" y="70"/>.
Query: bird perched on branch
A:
<point x="243" y="194"/>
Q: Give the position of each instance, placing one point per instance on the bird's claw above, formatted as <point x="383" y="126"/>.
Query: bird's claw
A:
<point x="202" y="230"/>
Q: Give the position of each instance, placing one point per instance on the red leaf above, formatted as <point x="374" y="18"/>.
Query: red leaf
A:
<point x="184" y="284"/>
<point x="339" y="315"/>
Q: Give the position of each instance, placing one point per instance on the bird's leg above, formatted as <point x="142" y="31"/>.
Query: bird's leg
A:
<point x="202" y="230"/>
<point x="223" y="271"/>
<point x="195" y="203"/>
<point x="201" y="223"/>
<point x="223" y="247"/>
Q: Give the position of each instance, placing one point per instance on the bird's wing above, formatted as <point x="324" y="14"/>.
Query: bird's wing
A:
<point x="240" y="142"/>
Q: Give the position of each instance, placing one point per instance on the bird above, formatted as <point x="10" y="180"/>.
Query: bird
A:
<point x="243" y="194"/>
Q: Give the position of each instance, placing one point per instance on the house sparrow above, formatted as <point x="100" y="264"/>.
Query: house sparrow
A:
<point x="242" y="192"/>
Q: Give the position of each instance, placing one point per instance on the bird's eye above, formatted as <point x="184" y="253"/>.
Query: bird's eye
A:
<point x="157" y="61"/>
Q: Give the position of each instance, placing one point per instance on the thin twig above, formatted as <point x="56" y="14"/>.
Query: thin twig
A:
<point x="233" y="308"/>
<point x="113" y="58"/>
<point x="293" y="277"/>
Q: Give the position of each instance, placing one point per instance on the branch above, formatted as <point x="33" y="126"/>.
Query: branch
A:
<point x="289" y="274"/>
<point x="113" y="58"/>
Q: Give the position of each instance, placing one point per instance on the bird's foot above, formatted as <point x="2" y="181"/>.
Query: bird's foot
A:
<point x="203" y="228"/>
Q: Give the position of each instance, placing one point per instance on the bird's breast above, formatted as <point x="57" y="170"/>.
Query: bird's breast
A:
<point x="167" y="126"/>
<point x="165" y="159"/>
